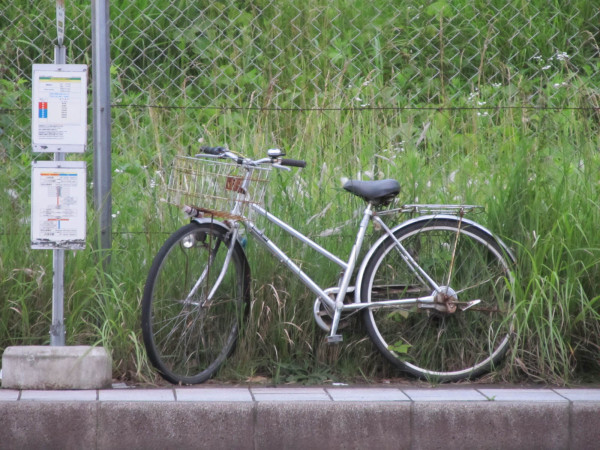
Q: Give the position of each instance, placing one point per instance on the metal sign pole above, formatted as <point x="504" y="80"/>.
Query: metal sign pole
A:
<point x="102" y="125"/>
<point x="57" y="329"/>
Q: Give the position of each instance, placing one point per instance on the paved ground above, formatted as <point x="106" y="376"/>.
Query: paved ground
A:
<point x="329" y="417"/>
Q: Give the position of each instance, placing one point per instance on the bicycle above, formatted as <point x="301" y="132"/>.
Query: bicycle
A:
<point x="434" y="291"/>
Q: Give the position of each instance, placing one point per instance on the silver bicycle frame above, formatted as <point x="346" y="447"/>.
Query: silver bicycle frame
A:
<point x="337" y="305"/>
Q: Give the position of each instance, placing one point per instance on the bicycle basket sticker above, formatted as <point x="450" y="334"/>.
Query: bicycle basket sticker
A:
<point x="235" y="184"/>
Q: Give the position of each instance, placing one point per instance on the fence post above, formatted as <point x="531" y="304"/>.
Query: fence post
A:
<point x="102" y="124"/>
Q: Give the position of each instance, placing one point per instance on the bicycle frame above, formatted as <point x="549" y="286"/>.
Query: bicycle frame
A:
<point x="348" y="267"/>
<point x="337" y="306"/>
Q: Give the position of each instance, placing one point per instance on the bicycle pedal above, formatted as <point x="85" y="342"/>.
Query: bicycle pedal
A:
<point x="334" y="339"/>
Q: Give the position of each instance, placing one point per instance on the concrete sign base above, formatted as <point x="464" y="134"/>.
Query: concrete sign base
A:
<point x="44" y="367"/>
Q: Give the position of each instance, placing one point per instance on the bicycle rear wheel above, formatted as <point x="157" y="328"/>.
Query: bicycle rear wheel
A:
<point x="187" y="335"/>
<point x="439" y="344"/>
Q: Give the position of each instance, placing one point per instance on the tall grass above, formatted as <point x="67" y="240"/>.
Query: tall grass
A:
<point x="539" y="189"/>
<point x="531" y="160"/>
<point x="539" y="196"/>
<point x="553" y="195"/>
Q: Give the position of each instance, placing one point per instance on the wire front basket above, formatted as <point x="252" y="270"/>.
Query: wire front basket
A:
<point x="216" y="188"/>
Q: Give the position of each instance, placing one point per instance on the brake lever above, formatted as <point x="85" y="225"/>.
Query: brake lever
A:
<point x="279" y="166"/>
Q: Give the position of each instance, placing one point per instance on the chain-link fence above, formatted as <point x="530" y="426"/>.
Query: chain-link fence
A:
<point x="282" y="55"/>
<point x="286" y="56"/>
<point x="176" y="66"/>
<point x="351" y="84"/>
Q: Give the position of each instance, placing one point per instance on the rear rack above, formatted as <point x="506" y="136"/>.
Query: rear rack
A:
<point x="459" y="210"/>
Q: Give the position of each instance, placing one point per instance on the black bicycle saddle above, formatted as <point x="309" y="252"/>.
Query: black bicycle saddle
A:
<point x="376" y="192"/>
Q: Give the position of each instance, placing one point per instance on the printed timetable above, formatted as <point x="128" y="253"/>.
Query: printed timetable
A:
<point x="58" y="205"/>
<point x="59" y="108"/>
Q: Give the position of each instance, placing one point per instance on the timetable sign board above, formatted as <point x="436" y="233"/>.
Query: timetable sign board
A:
<point x="58" y="205"/>
<point x="59" y="108"/>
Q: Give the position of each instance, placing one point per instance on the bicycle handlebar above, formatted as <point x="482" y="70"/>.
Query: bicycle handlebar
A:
<point x="292" y="162"/>
<point x="217" y="151"/>
<point x="223" y="152"/>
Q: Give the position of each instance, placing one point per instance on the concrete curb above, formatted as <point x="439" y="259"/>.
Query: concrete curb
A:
<point x="301" y="418"/>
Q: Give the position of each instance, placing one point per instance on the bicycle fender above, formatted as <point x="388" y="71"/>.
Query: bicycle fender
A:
<point x="225" y="228"/>
<point x="420" y="219"/>
<point x="215" y="223"/>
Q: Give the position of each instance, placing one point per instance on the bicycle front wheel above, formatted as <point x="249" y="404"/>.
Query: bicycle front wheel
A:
<point x="189" y="327"/>
<point x="444" y="341"/>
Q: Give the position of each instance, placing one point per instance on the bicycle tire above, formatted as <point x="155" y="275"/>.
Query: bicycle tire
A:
<point x="187" y="339"/>
<point x="429" y="344"/>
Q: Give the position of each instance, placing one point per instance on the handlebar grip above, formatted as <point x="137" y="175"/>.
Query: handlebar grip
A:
<point x="293" y="162"/>
<point x="213" y="150"/>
